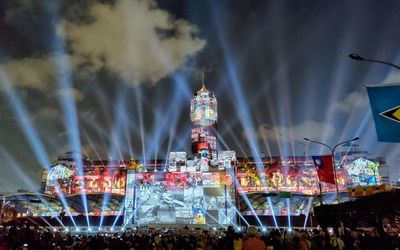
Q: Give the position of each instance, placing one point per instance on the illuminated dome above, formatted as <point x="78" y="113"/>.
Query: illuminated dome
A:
<point x="203" y="108"/>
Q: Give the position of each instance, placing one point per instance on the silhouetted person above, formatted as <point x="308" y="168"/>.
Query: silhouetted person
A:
<point x="253" y="242"/>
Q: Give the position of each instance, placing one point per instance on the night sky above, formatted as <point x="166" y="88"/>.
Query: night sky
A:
<point x="115" y="78"/>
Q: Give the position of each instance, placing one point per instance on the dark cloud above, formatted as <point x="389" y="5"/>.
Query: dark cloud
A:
<point x="29" y="28"/>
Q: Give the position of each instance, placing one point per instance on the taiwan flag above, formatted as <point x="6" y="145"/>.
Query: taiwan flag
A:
<point x="324" y="167"/>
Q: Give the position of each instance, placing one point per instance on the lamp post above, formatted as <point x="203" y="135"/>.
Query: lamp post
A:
<point x="360" y="58"/>
<point x="332" y="149"/>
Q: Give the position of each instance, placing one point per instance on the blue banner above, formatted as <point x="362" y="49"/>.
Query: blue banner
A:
<point x="385" y="105"/>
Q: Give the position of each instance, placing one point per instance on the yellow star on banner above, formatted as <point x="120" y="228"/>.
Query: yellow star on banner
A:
<point x="397" y="114"/>
<point x="392" y="114"/>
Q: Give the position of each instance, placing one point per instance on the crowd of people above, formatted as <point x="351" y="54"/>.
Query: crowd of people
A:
<point x="29" y="237"/>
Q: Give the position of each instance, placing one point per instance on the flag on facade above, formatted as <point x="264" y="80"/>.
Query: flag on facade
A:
<point x="385" y="105"/>
<point x="324" y="167"/>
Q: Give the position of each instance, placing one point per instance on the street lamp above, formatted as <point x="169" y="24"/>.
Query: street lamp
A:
<point x="360" y="58"/>
<point x="332" y="149"/>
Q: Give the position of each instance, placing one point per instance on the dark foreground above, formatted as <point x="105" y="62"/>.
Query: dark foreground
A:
<point x="26" y="237"/>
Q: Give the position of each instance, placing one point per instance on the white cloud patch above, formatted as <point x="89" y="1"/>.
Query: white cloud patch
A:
<point x="38" y="73"/>
<point x="71" y="93"/>
<point x="30" y="72"/>
<point x="393" y="77"/>
<point x="46" y="113"/>
<point x="359" y="99"/>
<point x="310" y="129"/>
<point x="132" y="39"/>
<point x="355" y="100"/>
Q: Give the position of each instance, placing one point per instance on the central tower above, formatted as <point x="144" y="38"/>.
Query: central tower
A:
<point x="204" y="118"/>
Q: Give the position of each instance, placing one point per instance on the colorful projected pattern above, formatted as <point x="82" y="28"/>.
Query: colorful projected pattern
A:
<point x="362" y="172"/>
<point x="95" y="179"/>
<point x="59" y="178"/>
<point x="129" y="197"/>
<point x="279" y="207"/>
<point x="204" y="116"/>
<point x="225" y="159"/>
<point x="203" y="108"/>
<point x="177" y="160"/>
<point x="302" y="177"/>
<point x="204" y="142"/>
<point x="184" y="198"/>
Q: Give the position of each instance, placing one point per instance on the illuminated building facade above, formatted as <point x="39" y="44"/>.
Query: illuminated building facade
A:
<point x="204" y="118"/>
<point x="204" y="187"/>
<point x="196" y="188"/>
